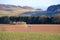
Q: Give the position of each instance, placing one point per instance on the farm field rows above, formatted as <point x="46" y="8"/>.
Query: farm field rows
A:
<point x="50" y="28"/>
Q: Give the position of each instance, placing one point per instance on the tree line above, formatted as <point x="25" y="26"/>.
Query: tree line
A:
<point x="31" y="19"/>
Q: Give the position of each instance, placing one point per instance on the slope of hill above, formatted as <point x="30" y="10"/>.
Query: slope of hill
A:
<point x="36" y="13"/>
<point x="52" y="10"/>
<point x="14" y="10"/>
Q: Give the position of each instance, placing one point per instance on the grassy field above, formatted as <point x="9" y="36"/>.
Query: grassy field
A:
<point x="28" y="36"/>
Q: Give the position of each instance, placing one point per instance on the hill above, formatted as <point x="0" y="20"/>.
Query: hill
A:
<point x="51" y="10"/>
<point x="13" y="10"/>
<point x="54" y="9"/>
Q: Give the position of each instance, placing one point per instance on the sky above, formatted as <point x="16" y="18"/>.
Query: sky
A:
<point x="43" y="4"/>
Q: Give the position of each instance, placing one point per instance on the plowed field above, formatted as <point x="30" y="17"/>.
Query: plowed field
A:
<point x="51" y="28"/>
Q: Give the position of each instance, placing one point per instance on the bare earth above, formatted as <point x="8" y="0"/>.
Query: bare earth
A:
<point x="50" y="28"/>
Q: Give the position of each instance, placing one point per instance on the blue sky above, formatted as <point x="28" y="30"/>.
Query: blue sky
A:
<point x="43" y="4"/>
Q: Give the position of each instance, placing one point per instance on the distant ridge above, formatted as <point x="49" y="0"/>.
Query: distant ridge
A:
<point x="12" y="6"/>
<point x="52" y="10"/>
<point x="14" y="10"/>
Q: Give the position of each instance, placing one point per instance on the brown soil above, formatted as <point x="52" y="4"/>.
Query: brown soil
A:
<point x="51" y="28"/>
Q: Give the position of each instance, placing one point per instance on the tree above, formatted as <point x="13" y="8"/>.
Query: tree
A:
<point x="44" y="19"/>
<point x="56" y="19"/>
<point x="4" y="20"/>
